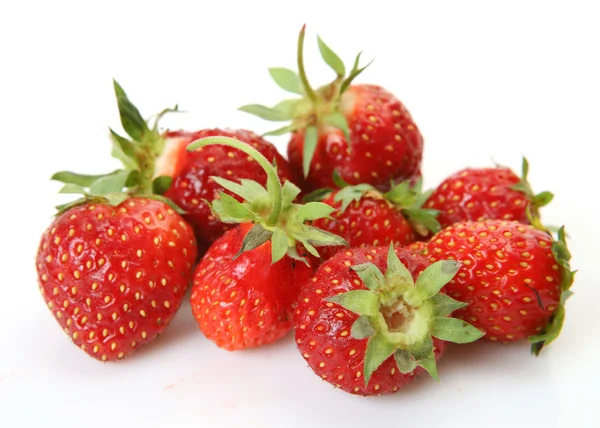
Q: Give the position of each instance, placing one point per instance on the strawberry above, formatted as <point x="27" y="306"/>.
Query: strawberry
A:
<point x="371" y="333"/>
<point x="113" y="266"/>
<point x="246" y="287"/>
<point x="192" y="171"/>
<point x="368" y="217"/>
<point x="417" y="247"/>
<point x="515" y="277"/>
<point x="478" y="194"/>
<point x="361" y="131"/>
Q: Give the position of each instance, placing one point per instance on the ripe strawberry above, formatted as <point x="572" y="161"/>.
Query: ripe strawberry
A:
<point x="361" y="131"/>
<point x="368" y="217"/>
<point x="192" y="171"/>
<point x="114" y="276"/>
<point x="349" y="299"/>
<point x="113" y="267"/>
<point x="417" y="247"/>
<point x="486" y="194"/>
<point x="515" y="277"/>
<point x="246" y="287"/>
<point x="240" y="309"/>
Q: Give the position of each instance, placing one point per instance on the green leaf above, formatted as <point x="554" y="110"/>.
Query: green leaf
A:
<point x="455" y="330"/>
<point x="281" y="131"/>
<point x="378" y="350"/>
<point x="254" y="238"/>
<point x="167" y="201"/>
<point x="287" y="80"/>
<point x="317" y="195"/>
<point x="361" y="302"/>
<point x="64" y="207"/>
<point x="424" y="357"/>
<point x="423" y="220"/>
<point x="338" y="180"/>
<point x="444" y="305"/>
<point x="551" y="332"/>
<point x="433" y="278"/>
<point x="331" y="58"/>
<point x="313" y="211"/>
<point x="116" y="199"/>
<point x="290" y="192"/>
<point x="235" y="209"/>
<point x="370" y="275"/>
<point x="266" y="113"/>
<point x="542" y="199"/>
<point x="522" y="187"/>
<point x="131" y="119"/>
<point x="404" y="361"/>
<point x="353" y="74"/>
<point x="123" y="150"/>
<point x="401" y="195"/>
<point x="309" y="247"/>
<point x="565" y="295"/>
<point x="161" y="184"/>
<point x="279" y="245"/>
<point x="113" y="183"/>
<point x="320" y="238"/>
<point x="524" y="169"/>
<point x="430" y="366"/>
<point x="292" y="252"/>
<point x="396" y="271"/>
<point x="71" y="188"/>
<point x="350" y="194"/>
<point x="246" y="190"/>
<point x="338" y="120"/>
<point x="310" y="144"/>
<point x="362" y="328"/>
<point x="288" y="106"/>
<point x="78" y="179"/>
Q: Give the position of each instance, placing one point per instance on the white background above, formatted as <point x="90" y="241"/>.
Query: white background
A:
<point x="482" y="79"/>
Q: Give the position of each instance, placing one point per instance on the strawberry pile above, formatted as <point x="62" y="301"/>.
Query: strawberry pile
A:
<point x="339" y="244"/>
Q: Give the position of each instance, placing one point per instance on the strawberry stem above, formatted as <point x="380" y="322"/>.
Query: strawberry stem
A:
<point x="301" y="71"/>
<point x="273" y="184"/>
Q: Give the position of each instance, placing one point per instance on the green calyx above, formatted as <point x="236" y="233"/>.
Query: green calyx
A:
<point x="400" y="317"/>
<point x="272" y="209"/>
<point x="562" y="256"/>
<point x="315" y="108"/>
<point x="536" y="201"/>
<point x="407" y="199"/>
<point x="138" y="155"/>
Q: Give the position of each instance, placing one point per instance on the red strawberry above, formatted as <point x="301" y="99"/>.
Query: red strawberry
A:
<point x="114" y="276"/>
<point x="486" y="194"/>
<point x="246" y="287"/>
<point x="417" y="247"/>
<point x="240" y="309"/>
<point x="192" y="171"/>
<point x="349" y="300"/>
<point x="368" y="217"/>
<point x="113" y="269"/>
<point x="361" y="131"/>
<point x="515" y="277"/>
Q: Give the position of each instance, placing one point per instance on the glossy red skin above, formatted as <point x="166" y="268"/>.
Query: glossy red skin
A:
<point x="493" y="280"/>
<point x="476" y="194"/>
<point x="372" y="221"/>
<point x="246" y="302"/>
<point x="90" y="253"/>
<point x="323" y="328"/>
<point x="385" y="143"/>
<point x="192" y="183"/>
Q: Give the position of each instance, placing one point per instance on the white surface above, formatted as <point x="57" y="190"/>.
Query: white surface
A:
<point x="482" y="81"/>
